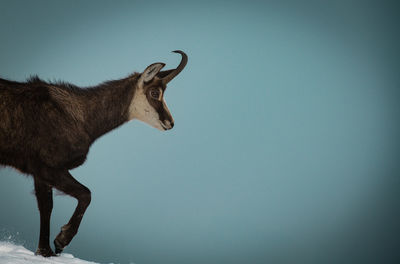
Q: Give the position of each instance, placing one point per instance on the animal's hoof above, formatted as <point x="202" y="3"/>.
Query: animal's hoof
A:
<point x="59" y="247"/>
<point x="45" y="252"/>
<point x="64" y="238"/>
<point x="61" y="241"/>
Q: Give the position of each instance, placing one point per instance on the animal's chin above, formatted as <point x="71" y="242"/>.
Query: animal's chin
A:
<point x="160" y="126"/>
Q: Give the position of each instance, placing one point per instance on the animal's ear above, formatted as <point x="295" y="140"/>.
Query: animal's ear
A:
<point x="151" y="71"/>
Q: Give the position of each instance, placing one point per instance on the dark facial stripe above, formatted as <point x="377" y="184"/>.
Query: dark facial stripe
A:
<point x="158" y="105"/>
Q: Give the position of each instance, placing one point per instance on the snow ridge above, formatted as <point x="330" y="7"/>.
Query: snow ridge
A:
<point x="14" y="254"/>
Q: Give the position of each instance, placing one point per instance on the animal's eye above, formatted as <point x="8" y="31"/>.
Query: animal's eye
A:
<point x="155" y="93"/>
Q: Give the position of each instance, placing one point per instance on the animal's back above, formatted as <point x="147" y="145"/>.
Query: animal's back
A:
<point x="33" y="129"/>
<point x="19" y="106"/>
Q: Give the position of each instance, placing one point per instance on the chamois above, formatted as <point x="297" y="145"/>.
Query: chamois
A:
<point x="46" y="130"/>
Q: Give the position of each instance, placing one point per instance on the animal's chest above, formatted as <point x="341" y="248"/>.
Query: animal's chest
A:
<point x="65" y="149"/>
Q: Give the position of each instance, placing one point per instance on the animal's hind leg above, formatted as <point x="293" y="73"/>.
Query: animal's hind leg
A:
<point x="64" y="182"/>
<point x="44" y="196"/>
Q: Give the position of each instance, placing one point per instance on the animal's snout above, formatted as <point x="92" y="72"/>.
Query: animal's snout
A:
<point x="167" y="124"/>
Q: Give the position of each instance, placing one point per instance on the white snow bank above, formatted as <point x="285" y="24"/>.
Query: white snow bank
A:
<point x="13" y="254"/>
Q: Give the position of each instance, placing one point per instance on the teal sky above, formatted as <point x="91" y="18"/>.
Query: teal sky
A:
<point x="285" y="147"/>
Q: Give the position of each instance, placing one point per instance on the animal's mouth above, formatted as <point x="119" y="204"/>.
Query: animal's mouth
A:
<point x="164" y="126"/>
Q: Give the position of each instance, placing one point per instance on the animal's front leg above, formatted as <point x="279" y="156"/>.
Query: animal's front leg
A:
<point x="44" y="196"/>
<point x="68" y="185"/>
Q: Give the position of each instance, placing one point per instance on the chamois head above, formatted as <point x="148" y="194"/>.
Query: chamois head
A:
<point x="148" y="104"/>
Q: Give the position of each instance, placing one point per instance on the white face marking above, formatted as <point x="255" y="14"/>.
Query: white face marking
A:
<point x="141" y="109"/>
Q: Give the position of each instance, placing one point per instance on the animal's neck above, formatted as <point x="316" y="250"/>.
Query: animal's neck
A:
<point x="108" y="106"/>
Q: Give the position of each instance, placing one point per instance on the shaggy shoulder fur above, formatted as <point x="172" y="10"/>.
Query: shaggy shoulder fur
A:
<point x="55" y="123"/>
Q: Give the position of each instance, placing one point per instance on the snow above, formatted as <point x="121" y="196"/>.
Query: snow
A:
<point x="14" y="254"/>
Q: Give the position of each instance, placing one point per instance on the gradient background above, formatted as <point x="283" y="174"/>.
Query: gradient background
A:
<point x="286" y="145"/>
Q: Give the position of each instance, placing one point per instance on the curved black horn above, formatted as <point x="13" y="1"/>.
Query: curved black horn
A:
<point x="180" y="67"/>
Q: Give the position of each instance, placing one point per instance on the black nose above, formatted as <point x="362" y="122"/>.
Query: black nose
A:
<point x="172" y="124"/>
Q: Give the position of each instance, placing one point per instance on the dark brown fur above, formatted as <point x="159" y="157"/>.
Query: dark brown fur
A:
<point x="54" y="124"/>
<point x="46" y="129"/>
